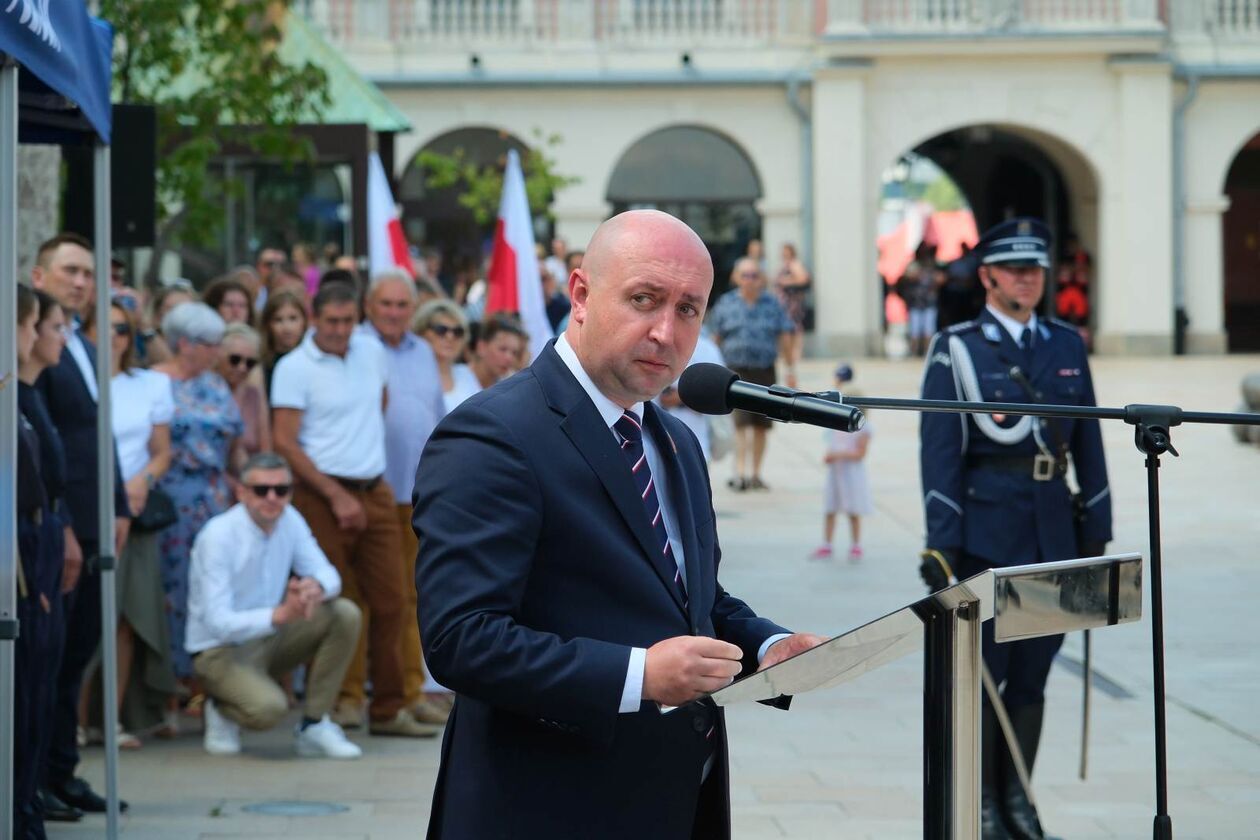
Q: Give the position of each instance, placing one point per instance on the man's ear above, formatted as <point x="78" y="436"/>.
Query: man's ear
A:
<point x="579" y="294"/>
<point x="37" y="276"/>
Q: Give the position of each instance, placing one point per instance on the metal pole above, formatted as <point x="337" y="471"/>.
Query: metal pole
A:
<point x="951" y="723"/>
<point x="1163" y="822"/>
<point x="105" y="484"/>
<point x="8" y="422"/>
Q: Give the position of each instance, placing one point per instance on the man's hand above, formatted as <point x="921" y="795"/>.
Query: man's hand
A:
<point x="683" y="668"/>
<point x="312" y="592"/>
<point x="789" y="647"/>
<point x="292" y="608"/>
<point x="349" y="511"/>
<point x="73" y="562"/>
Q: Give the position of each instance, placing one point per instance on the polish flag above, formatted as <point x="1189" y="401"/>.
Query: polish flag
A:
<point x="513" y="283"/>
<point x="387" y="248"/>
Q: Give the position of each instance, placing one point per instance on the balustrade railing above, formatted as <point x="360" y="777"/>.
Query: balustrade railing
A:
<point x="609" y="24"/>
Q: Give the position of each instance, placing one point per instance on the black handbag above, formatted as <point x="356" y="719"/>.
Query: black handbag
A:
<point x="159" y="512"/>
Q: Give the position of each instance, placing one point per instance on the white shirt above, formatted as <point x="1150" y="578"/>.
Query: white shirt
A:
<point x="610" y="413"/>
<point x="139" y="400"/>
<point x="343" y="427"/>
<point x="1015" y="328"/>
<point x="239" y="575"/>
<point x="74" y="344"/>
<point x="464" y="384"/>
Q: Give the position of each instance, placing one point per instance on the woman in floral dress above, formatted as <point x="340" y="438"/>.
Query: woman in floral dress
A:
<point x="205" y="437"/>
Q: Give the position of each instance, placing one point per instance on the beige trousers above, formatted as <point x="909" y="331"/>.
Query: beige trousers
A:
<point x="242" y="679"/>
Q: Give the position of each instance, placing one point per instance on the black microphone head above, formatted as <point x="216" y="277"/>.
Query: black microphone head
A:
<point x="704" y="388"/>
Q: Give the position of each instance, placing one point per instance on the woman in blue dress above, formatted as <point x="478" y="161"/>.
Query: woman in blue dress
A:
<point x="205" y="448"/>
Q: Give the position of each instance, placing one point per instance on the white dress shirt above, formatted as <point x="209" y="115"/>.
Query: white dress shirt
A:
<point x="1015" y="328"/>
<point x="610" y="413"/>
<point x="74" y="344"/>
<point x="240" y="573"/>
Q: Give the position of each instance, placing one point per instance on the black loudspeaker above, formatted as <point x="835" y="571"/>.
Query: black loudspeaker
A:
<point x="133" y="165"/>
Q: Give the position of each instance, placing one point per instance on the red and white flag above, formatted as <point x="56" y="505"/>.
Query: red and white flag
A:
<point x="513" y="283"/>
<point x="387" y="247"/>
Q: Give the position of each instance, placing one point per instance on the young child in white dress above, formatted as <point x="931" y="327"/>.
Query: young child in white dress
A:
<point x="847" y="489"/>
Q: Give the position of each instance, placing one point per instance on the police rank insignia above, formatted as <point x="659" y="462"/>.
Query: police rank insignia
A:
<point x="991" y="331"/>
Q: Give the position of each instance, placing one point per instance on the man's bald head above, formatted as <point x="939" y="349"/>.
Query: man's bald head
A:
<point x="638" y="302"/>
<point x="637" y="235"/>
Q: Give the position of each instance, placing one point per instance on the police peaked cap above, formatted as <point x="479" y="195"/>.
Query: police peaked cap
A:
<point x="1021" y="241"/>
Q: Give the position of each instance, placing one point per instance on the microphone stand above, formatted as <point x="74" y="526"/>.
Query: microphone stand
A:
<point x="1152" y="434"/>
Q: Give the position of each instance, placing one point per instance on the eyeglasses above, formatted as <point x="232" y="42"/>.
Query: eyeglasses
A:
<point x="442" y="330"/>
<point x="263" y="490"/>
<point x="121" y="329"/>
<point x="749" y="275"/>
<point x="236" y="360"/>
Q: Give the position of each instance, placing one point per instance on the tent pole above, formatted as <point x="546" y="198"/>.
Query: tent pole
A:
<point x="105" y="482"/>
<point x="8" y="422"/>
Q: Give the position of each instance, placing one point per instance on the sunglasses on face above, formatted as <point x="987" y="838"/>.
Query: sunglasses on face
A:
<point x="442" y="331"/>
<point x="121" y="329"/>
<point x="749" y="275"/>
<point x="262" y="490"/>
<point x="237" y="360"/>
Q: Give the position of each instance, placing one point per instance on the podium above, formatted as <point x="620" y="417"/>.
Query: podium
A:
<point x="1023" y="602"/>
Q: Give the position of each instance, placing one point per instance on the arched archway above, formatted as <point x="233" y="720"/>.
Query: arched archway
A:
<point x="702" y="177"/>
<point x="435" y="218"/>
<point x="1240" y="232"/>
<point x="1004" y="171"/>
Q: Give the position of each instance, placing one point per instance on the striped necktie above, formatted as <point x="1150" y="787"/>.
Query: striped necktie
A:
<point x="631" y="430"/>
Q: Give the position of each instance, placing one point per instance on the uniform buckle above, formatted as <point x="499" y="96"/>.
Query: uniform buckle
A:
<point x="1043" y="467"/>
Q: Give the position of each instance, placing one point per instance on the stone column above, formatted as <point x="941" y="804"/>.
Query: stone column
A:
<point x="1205" y="273"/>
<point x="1135" y="301"/>
<point x="846" y="315"/>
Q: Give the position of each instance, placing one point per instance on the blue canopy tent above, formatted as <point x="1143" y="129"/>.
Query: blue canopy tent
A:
<point x="55" y="66"/>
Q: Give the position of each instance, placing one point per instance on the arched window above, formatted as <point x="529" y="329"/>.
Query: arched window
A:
<point x="702" y="178"/>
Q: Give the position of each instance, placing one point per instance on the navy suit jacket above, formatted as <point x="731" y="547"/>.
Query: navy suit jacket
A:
<point x="535" y="581"/>
<point x="73" y="412"/>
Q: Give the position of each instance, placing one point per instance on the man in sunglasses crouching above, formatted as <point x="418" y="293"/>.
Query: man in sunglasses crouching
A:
<point x="262" y="600"/>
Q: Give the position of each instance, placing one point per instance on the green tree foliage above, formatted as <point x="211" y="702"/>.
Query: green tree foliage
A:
<point x="482" y="185"/>
<point x="943" y="194"/>
<point x="210" y="68"/>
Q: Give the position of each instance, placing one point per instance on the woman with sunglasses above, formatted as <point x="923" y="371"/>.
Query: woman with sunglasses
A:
<point x="443" y="325"/>
<point x="284" y="321"/>
<point x="205" y="447"/>
<point x="141" y="406"/>
<point x="242" y="350"/>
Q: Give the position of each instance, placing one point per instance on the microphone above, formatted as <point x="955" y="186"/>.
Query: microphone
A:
<point x="713" y="389"/>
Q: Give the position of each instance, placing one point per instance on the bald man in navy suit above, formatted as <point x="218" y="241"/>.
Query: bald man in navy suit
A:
<point x="567" y="573"/>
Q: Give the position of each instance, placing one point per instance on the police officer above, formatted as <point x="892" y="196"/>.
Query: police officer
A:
<point x="994" y="486"/>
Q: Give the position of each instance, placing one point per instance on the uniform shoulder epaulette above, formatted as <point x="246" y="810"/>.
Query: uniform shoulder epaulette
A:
<point x="1063" y="325"/>
<point x="961" y="327"/>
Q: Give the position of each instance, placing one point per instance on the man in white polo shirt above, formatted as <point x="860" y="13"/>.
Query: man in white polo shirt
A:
<point x="328" y="397"/>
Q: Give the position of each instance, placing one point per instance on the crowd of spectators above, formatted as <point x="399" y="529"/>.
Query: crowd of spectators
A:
<point x="266" y="433"/>
<point x="267" y="429"/>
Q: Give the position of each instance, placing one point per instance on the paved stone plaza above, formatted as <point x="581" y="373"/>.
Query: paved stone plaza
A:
<point x="845" y="763"/>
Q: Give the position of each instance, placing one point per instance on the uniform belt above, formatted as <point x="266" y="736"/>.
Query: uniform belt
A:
<point x="359" y="485"/>
<point x="1039" y="467"/>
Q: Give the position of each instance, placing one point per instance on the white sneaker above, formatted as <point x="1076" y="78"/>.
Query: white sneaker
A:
<point x="223" y="737"/>
<point x="325" y="740"/>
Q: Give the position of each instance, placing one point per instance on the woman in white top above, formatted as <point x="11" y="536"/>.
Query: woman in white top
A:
<point x="141" y="406"/>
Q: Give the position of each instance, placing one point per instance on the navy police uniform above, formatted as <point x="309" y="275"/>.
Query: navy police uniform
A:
<point x="994" y="486"/>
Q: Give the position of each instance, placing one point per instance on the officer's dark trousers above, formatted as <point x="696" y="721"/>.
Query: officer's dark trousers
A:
<point x="82" y="635"/>
<point x="35" y="668"/>
<point x="1020" y="668"/>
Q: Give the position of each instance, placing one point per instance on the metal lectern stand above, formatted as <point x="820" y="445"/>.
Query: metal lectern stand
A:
<point x="1023" y="602"/>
